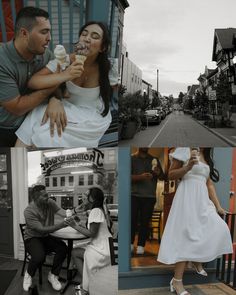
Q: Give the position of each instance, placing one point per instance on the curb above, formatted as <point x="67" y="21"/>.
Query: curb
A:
<point x="228" y="141"/>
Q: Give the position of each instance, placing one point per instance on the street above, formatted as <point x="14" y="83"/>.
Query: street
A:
<point x="177" y="129"/>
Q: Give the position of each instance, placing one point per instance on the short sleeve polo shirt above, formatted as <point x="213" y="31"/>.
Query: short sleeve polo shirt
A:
<point x="15" y="73"/>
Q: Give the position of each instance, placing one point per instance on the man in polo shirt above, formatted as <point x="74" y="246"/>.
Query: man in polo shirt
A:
<point x="39" y="218"/>
<point x="26" y="54"/>
<point x="145" y="172"/>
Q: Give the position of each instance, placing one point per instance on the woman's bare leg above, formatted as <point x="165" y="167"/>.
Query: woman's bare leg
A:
<point x="178" y="277"/>
<point x="20" y="143"/>
<point x="78" y="258"/>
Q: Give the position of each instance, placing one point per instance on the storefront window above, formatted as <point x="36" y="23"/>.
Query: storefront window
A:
<point x="63" y="181"/>
<point x="71" y="180"/>
<point x="54" y="181"/>
<point x="47" y="181"/>
<point x="81" y="180"/>
<point x="4" y="199"/>
<point x="90" y="179"/>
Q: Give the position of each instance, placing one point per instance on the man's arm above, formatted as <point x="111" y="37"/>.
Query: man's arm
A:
<point x="33" y="223"/>
<point x="21" y="105"/>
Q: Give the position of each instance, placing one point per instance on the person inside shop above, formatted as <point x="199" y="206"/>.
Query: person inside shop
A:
<point x="89" y="84"/>
<point x="194" y="230"/>
<point x="145" y="172"/>
<point x="39" y="218"/>
<point x="20" y="58"/>
<point x="96" y="254"/>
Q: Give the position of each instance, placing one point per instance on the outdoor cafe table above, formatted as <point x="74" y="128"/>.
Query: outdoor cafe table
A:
<point x="70" y="234"/>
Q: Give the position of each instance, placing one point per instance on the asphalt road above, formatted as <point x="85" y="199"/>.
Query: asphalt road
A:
<point x="177" y="129"/>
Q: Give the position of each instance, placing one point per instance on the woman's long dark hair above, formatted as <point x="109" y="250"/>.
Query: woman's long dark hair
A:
<point x="98" y="201"/>
<point x="208" y="156"/>
<point x="103" y="65"/>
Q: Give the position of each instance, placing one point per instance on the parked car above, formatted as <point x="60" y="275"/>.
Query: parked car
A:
<point x="161" y="112"/>
<point x="151" y="116"/>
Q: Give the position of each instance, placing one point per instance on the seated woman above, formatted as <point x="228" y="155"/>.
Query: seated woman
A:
<point x="89" y="87"/>
<point x="97" y="253"/>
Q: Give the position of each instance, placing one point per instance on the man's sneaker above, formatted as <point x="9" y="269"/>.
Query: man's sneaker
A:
<point x="140" y="250"/>
<point x="53" y="279"/>
<point x="27" y="282"/>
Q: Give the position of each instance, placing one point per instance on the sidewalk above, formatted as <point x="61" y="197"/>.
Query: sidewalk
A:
<point x="205" y="289"/>
<point x="226" y="134"/>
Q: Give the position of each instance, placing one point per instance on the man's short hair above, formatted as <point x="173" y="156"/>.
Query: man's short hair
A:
<point x="35" y="192"/>
<point x="26" y="18"/>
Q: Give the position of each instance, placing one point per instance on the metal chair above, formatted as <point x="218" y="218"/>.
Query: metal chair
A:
<point x="155" y="225"/>
<point x="113" y="244"/>
<point x="27" y="255"/>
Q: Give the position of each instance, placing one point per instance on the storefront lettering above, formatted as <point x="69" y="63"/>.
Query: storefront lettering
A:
<point x="94" y="158"/>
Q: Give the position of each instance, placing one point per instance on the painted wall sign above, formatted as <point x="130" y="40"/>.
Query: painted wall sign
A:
<point x="93" y="159"/>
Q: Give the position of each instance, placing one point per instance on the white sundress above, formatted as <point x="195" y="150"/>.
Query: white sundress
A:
<point x="97" y="253"/>
<point x="194" y="231"/>
<point x="85" y="125"/>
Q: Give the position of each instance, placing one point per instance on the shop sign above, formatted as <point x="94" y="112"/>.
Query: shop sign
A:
<point x="93" y="159"/>
<point x="212" y="95"/>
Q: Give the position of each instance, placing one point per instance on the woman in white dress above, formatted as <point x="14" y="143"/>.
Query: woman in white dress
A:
<point x="89" y="87"/>
<point x="194" y="231"/>
<point x="96" y="254"/>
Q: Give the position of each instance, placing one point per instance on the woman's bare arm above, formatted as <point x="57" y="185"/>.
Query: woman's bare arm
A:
<point x="178" y="170"/>
<point x="213" y="196"/>
<point x="46" y="79"/>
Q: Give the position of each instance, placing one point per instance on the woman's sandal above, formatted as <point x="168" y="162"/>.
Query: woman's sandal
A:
<point x="202" y="272"/>
<point x="172" y="288"/>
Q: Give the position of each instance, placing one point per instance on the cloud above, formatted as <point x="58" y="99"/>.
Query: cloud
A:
<point x="174" y="36"/>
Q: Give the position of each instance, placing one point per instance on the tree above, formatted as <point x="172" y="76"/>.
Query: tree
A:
<point x="156" y="102"/>
<point x="180" y="98"/>
<point x="224" y="95"/>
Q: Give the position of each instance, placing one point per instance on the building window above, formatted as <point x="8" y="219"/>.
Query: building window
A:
<point x="71" y="180"/>
<point x="81" y="180"/>
<point x="54" y="181"/>
<point x="67" y="202"/>
<point x="90" y="179"/>
<point x="47" y="181"/>
<point x="63" y="181"/>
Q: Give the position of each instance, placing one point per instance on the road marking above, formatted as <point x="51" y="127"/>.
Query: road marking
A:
<point x="150" y="144"/>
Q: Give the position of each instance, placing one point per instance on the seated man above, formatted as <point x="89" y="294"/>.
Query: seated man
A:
<point x="39" y="217"/>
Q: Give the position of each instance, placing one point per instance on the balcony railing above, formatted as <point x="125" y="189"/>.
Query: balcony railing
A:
<point x="226" y="264"/>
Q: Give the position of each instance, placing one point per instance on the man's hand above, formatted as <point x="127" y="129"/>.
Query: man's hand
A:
<point x="74" y="71"/>
<point x="146" y="176"/>
<point x="57" y="115"/>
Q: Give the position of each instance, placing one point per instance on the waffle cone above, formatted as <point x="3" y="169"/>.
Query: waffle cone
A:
<point x="80" y="58"/>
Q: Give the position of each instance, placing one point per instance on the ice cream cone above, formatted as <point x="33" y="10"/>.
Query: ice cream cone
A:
<point x="80" y="58"/>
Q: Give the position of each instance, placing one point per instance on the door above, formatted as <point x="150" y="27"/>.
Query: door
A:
<point x="8" y="19"/>
<point x="6" y="212"/>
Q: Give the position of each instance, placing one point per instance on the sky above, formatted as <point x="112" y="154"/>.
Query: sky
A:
<point x="176" y="37"/>
<point x="34" y="160"/>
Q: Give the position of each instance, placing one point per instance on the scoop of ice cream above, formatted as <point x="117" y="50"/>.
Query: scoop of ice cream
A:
<point x="68" y="213"/>
<point x="81" y="49"/>
<point x="60" y="52"/>
<point x="81" y="52"/>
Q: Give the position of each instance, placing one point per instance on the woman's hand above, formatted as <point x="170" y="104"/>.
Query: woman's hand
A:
<point x="74" y="71"/>
<point x="221" y="211"/>
<point x="57" y="115"/>
<point x="70" y="221"/>
<point x="192" y="161"/>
